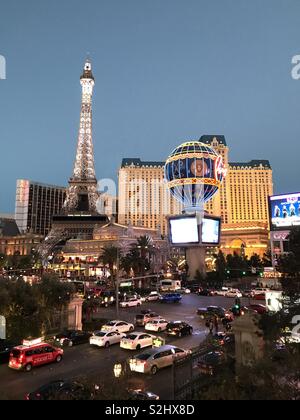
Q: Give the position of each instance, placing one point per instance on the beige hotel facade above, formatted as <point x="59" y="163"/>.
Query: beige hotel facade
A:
<point x="242" y="201"/>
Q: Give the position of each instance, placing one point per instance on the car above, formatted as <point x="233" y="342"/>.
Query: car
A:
<point x="205" y="292"/>
<point x="260" y="296"/>
<point x="248" y="294"/>
<point x="131" y="302"/>
<point x="260" y="309"/>
<point x="221" y="292"/>
<point x="33" y="354"/>
<point x="222" y="339"/>
<point x="139" y="394"/>
<point x="57" y="390"/>
<point x="6" y="347"/>
<point x="72" y="338"/>
<point x="142" y="319"/>
<point x="233" y="293"/>
<point x="290" y="337"/>
<point x="171" y="298"/>
<point x="152" y="360"/>
<point x="210" y="362"/>
<point x="106" y="339"/>
<point x="156" y="325"/>
<point x="118" y="326"/>
<point x="153" y="297"/>
<point x="179" y="329"/>
<point x="107" y="299"/>
<point x="136" y="341"/>
<point x="212" y="311"/>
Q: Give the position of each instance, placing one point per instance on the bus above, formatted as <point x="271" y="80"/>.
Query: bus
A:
<point x="170" y="285"/>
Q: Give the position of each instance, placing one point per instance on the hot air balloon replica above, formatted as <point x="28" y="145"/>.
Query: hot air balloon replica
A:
<point x="194" y="173"/>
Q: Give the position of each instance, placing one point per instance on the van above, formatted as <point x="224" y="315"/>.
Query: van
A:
<point x="31" y="355"/>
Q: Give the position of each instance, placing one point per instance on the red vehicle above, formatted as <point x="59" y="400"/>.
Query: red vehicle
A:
<point x="260" y="296"/>
<point x="260" y="309"/>
<point x="32" y="354"/>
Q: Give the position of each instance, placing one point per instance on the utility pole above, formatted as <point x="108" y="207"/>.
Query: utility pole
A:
<point x="117" y="283"/>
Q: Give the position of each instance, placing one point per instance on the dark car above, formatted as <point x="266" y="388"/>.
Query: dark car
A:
<point x="72" y="338"/>
<point x="212" y="311"/>
<point x="222" y="339"/>
<point x="5" y="348"/>
<point x="179" y="329"/>
<point x="205" y="292"/>
<point x="138" y="394"/>
<point x="59" y="390"/>
<point x="210" y="362"/>
<point x="171" y="298"/>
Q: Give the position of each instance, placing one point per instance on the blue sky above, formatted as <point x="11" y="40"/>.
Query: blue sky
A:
<point x="166" y="71"/>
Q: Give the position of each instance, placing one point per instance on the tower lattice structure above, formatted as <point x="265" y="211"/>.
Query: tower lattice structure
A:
<point x="79" y="214"/>
<point x="82" y="193"/>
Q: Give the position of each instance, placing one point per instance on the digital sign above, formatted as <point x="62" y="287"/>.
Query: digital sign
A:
<point x="284" y="211"/>
<point x="186" y="230"/>
<point x="211" y="229"/>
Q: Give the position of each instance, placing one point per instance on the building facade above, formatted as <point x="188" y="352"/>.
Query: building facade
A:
<point x="36" y="204"/>
<point x="242" y="199"/>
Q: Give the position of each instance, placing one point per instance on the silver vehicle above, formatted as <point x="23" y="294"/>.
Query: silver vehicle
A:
<point x="153" y="360"/>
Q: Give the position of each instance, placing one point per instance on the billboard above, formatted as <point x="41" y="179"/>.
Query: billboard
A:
<point x="211" y="231"/>
<point x="184" y="231"/>
<point x="284" y="211"/>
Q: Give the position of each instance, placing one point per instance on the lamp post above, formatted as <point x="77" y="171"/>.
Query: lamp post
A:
<point x="117" y="282"/>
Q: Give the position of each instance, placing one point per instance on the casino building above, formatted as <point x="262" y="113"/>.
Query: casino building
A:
<point x="242" y="201"/>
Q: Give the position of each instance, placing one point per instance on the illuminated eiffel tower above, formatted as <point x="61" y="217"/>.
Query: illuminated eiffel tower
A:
<point x="79" y="214"/>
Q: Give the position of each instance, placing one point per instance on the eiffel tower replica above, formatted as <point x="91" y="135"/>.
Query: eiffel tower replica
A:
<point x="79" y="215"/>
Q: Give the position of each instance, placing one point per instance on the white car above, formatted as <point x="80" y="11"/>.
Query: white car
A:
<point x="131" y="303"/>
<point x="137" y="341"/>
<point x="221" y="292"/>
<point x="153" y="297"/>
<point x="106" y="339"/>
<point x="156" y="325"/>
<point x="233" y="293"/>
<point x="118" y="326"/>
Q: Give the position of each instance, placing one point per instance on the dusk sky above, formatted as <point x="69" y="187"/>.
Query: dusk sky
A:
<point x="166" y="71"/>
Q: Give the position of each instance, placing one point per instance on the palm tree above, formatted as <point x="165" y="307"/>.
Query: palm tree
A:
<point x="109" y="258"/>
<point x="145" y="245"/>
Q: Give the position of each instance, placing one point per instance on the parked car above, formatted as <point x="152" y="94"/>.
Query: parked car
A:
<point x="6" y="347"/>
<point x="106" y="339"/>
<point x="152" y="360"/>
<point x="212" y="311"/>
<point x="153" y="297"/>
<point x="26" y="357"/>
<point x="156" y="325"/>
<point x="131" y="302"/>
<point x="118" y="326"/>
<point x="136" y="341"/>
<point x="142" y="319"/>
<point x="210" y="362"/>
<point x="179" y="329"/>
<point x="72" y="338"/>
<point x="171" y="298"/>
<point x="61" y="389"/>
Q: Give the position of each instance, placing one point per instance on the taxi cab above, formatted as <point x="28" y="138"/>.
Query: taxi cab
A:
<point x="32" y="354"/>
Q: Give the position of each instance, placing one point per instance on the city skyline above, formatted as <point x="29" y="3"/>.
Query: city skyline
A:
<point x="216" y="87"/>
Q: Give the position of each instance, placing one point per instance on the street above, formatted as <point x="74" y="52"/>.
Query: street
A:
<point x="85" y="361"/>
